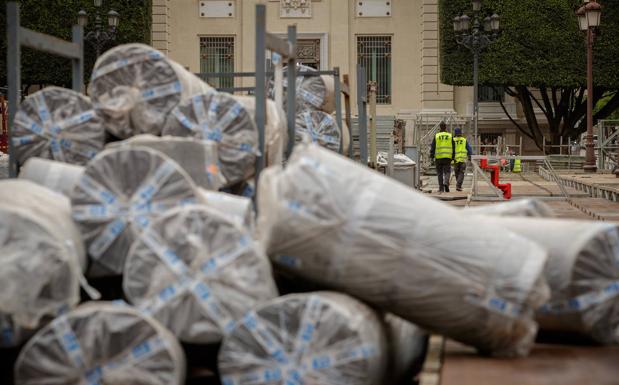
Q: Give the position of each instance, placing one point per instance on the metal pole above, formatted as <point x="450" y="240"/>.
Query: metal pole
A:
<point x="338" y="104"/>
<point x="13" y="62"/>
<point x="78" y="64"/>
<point x="260" y="84"/>
<point x="292" y="92"/>
<point x="476" y="94"/>
<point x="372" y="96"/>
<point x="348" y="117"/>
<point x="362" y="120"/>
<point x="590" y="165"/>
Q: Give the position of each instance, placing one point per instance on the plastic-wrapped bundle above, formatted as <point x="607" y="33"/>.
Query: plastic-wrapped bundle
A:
<point x="57" y="123"/>
<point x="517" y="208"/>
<point x="197" y="157"/>
<point x="57" y="176"/>
<point x="197" y="272"/>
<point x="275" y="129"/>
<point x="313" y="92"/>
<point x="407" y="345"/>
<point x="135" y="87"/>
<point x="221" y="118"/>
<point x="318" y="127"/>
<point x="320" y="338"/>
<point x="102" y="343"/>
<point x="582" y="271"/>
<point x="238" y="208"/>
<point x="42" y="257"/>
<point x="120" y="192"/>
<point x="330" y="220"/>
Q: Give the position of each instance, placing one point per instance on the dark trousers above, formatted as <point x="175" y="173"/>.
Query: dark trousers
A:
<point x="443" y="171"/>
<point x="460" y="171"/>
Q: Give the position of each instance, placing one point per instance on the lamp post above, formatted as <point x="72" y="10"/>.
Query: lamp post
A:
<point x="99" y="37"/>
<point x="476" y="37"/>
<point x="589" y="16"/>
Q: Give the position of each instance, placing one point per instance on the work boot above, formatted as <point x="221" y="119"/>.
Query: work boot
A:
<point x="446" y="188"/>
<point x="458" y="188"/>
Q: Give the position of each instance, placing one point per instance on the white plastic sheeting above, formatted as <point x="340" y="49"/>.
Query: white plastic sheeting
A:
<point x="121" y="191"/>
<point x="320" y="338"/>
<point x="328" y="219"/>
<point x="57" y="176"/>
<point x="313" y="92"/>
<point x="238" y="208"/>
<point x="135" y="87"/>
<point x="197" y="271"/>
<point x="41" y="254"/>
<point x="516" y="208"/>
<point x="57" y="123"/>
<point x="101" y="343"/>
<point x="197" y="157"/>
<point x="220" y="118"/>
<point x="318" y="127"/>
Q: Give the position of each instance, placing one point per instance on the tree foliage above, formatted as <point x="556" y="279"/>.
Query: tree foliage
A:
<point x="56" y="17"/>
<point x="540" y="59"/>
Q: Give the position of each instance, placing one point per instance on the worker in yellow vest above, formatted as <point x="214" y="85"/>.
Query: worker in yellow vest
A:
<point x="517" y="166"/>
<point x="442" y="153"/>
<point x="463" y="153"/>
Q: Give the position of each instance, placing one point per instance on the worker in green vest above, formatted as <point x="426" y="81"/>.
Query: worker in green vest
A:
<point x="463" y="153"/>
<point x="442" y="153"/>
<point x="517" y="166"/>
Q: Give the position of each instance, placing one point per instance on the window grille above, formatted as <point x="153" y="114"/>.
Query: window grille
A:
<point x="491" y="94"/>
<point x="374" y="54"/>
<point x="217" y="55"/>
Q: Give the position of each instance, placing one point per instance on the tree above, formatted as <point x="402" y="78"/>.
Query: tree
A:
<point x="540" y="59"/>
<point x="56" y="17"/>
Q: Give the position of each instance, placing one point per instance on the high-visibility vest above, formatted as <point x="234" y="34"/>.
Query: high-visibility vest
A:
<point x="444" y="148"/>
<point x="517" y="166"/>
<point x="461" y="153"/>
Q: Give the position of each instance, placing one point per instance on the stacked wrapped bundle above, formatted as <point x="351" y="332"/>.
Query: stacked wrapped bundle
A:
<point x="57" y="176"/>
<point x="57" y="123"/>
<point x="407" y="346"/>
<point x="582" y="271"/>
<point x="313" y="92"/>
<point x="135" y="87"/>
<point x="197" y="157"/>
<point x="197" y="272"/>
<point x="318" y="127"/>
<point x="120" y="192"/>
<point x="101" y="343"/>
<point x="332" y="221"/>
<point x="517" y="208"/>
<point x="318" y="338"/>
<point x="42" y="258"/>
<point x="238" y="208"/>
<point x="219" y="117"/>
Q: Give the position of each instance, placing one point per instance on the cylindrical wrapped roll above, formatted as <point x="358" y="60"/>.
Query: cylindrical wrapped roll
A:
<point x="197" y="272"/>
<point x="314" y="92"/>
<point x="42" y="257"/>
<point x="582" y="271"/>
<point x="318" y="127"/>
<point x="57" y="176"/>
<point x="220" y="118"/>
<point x="407" y="345"/>
<point x="197" y="157"/>
<point x="102" y="343"/>
<point x="517" y="208"/>
<point x="120" y="192"/>
<point x="320" y="338"/>
<point x="275" y="129"/>
<point x="134" y="87"/>
<point x="330" y="220"/>
<point x="238" y="208"/>
<point x="57" y="123"/>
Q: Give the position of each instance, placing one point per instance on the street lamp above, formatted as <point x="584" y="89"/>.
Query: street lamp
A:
<point x="589" y="16"/>
<point x="99" y="37"/>
<point x="482" y="33"/>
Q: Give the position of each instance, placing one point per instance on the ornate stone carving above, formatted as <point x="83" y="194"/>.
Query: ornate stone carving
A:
<point x="295" y="8"/>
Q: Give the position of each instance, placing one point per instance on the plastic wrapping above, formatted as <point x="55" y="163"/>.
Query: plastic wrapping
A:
<point x="135" y="87"/>
<point x="120" y="192"/>
<point x="407" y="346"/>
<point x="220" y="118"/>
<point x="330" y="220"/>
<point x="57" y="176"/>
<point x="57" y="123"/>
<point x="318" y="127"/>
<point x="320" y="338"/>
<point x="197" y="272"/>
<point x="197" y="157"/>
<point x="516" y="208"/>
<point x="582" y="271"/>
<point x="238" y="208"/>
<point x="41" y="258"/>
<point x="313" y="92"/>
<point x="399" y="160"/>
<point x="101" y="343"/>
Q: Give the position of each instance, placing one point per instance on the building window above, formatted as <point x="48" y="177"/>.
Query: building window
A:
<point x="374" y="54"/>
<point x="217" y="55"/>
<point x="491" y="94"/>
